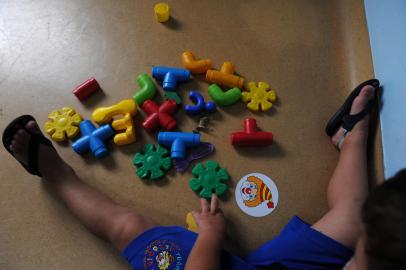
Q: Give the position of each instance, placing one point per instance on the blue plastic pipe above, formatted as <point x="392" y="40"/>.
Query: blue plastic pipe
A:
<point x="93" y="139"/>
<point x="170" y="76"/>
<point x="178" y="141"/>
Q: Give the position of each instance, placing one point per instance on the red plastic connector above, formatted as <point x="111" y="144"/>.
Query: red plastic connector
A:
<point x="251" y="136"/>
<point x="159" y="115"/>
<point x="87" y="88"/>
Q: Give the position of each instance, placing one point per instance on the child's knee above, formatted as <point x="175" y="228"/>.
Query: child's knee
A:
<point x="126" y="226"/>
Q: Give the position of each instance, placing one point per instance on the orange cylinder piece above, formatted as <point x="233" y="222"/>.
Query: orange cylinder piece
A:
<point x="227" y="68"/>
<point x="225" y="76"/>
<point x="195" y="66"/>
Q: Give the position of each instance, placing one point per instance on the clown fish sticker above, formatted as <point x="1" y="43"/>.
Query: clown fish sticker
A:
<point x="256" y="195"/>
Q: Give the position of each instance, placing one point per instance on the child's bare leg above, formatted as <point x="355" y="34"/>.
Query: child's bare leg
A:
<point x="348" y="186"/>
<point x="97" y="212"/>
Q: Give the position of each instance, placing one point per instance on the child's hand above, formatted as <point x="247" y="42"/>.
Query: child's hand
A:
<point x="206" y="251"/>
<point x="211" y="219"/>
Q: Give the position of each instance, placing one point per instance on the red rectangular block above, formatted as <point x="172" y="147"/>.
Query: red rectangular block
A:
<point x="87" y="88"/>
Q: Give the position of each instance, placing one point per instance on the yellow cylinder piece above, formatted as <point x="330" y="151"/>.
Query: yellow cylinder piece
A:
<point x="195" y="66"/>
<point x="124" y="123"/>
<point x="162" y="12"/>
<point x="191" y="223"/>
<point x="105" y="114"/>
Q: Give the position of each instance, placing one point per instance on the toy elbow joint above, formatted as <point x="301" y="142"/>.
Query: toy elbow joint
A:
<point x="147" y="89"/>
<point x="195" y="66"/>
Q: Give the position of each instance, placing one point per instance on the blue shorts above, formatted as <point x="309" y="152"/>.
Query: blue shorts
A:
<point x="298" y="246"/>
<point x="167" y="248"/>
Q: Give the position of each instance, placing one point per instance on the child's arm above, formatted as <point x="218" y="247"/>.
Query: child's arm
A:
<point x="207" y="250"/>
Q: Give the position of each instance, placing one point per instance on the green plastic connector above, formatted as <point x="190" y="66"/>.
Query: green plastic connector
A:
<point x="209" y="180"/>
<point x="153" y="163"/>
<point x="147" y="89"/>
<point x="174" y="96"/>
<point x="226" y="98"/>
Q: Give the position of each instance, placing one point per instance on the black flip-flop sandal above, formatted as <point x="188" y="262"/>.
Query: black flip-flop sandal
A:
<point x="33" y="144"/>
<point x="342" y="117"/>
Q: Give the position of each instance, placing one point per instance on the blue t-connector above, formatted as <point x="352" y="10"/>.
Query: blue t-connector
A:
<point x="178" y="141"/>
<point x="170" y="76"/>
<point x="93" y="139"/>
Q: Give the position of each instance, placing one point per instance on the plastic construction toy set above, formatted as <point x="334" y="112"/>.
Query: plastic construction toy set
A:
<point x="175" y="148"/>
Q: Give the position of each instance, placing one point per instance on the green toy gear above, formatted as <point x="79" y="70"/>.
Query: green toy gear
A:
<point x="153" y="163"/>
<point x="209" y="180"/>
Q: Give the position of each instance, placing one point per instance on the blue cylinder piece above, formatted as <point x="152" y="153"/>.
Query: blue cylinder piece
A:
<point x="86" y="127"/>
<point x="97" y="144"/>
<point x="178" y="149"/>
<point x="93" y="139"/>
<point x="81" y="145"/>
<point x="169" y="83"/>
<point x="178" y="141"/>
<point x="170" y="76"/>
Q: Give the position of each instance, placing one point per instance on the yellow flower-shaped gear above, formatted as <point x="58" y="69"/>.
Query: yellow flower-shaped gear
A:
<point x="259" y="97"/>
<point x="62" y="124"/>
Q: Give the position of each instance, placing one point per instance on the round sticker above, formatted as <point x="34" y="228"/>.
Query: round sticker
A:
<point x="163" y="255"/>
<point x="256" y="195"/>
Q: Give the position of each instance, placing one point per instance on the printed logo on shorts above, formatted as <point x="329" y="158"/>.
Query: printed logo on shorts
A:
<point x="163" y="255"/>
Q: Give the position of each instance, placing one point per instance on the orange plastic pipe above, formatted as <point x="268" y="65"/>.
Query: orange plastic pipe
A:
<point x="195" y="66"/>
<point x="225" y="76"/>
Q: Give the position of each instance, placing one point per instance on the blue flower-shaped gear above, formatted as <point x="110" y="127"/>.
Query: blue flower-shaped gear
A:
<point x="211" y="179"/>
<point x="153" y="163"/>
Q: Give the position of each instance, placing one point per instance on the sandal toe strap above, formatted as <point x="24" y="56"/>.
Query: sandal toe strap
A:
<point x="33" y="148"/>
<point x="349" y="121"/>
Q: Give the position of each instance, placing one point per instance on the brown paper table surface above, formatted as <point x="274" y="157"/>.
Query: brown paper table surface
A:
<point x="311" y="52"/>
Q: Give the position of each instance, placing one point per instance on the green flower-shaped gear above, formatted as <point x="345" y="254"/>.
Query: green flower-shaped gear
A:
<point x="153" y="163"/>
<point x="209" y="180"/>
<point x="259" y="97"/>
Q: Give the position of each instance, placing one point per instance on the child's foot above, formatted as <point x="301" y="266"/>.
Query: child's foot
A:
<point x="360" y="130"/>
<point x="49" y="162"/>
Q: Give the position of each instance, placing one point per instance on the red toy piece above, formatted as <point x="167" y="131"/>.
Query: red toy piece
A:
<point x="87" y="88"/>
<point x="159" y="115"/>
<point x="251" y="136"/>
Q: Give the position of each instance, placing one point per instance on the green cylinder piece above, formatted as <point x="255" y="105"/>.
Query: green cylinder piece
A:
<point x="147" y="89"/>
<point x="226" y="98"/>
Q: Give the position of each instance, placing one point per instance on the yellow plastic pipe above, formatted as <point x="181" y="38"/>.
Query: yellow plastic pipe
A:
<point x="127" y="108"/>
